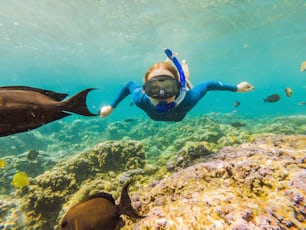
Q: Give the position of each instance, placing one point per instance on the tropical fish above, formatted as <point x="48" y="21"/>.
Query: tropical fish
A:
<point x="99" y="211"/>
<point x="303" y="66"/>
<point x="20" y="179"/>
<point x="25" y="108"/>
<point x="2" y="163"/>
<point x="288" y="92"/>
<point x="233" y="138"/>
<point x="32" y="155"/>
<point x="237" y="124"/>
<point x="272" y="98"/>
<point x="129" y="120"/>
<point x="302" y="103"/>
<point x="236" y="104"/>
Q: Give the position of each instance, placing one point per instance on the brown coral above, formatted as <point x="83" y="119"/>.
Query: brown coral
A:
<point x="254" y="186"/>
<point x="44" y="197"/>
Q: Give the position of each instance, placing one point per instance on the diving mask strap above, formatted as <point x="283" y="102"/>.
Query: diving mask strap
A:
<point x="180" y="97"/>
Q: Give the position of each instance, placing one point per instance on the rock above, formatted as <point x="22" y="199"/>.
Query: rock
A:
<point x="43" y="199"/>
<point x="254" y="186"/>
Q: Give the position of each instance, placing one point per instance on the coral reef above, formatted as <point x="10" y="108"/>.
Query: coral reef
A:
<point x="33" y="167"/>
<point x="11" y="214"/>
<point x="188" y="155"/>
<point x="259" y="185"/>
<point x="42" y="200"/>
<point x="257" y="181"/>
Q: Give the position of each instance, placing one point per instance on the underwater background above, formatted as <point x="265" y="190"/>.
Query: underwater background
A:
<point x="67" y="46"/>
<point x="73" y="45"/>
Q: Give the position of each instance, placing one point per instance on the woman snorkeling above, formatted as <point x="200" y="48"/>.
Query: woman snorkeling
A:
<point x="167" y="93"/>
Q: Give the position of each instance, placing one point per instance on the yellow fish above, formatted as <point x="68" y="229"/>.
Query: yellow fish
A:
<point x="288" y="92"/>
<point x="20" y="179"/>
<point x="303" y="66"/>
<point x="233" y="138"/>
<point x="2" y="163"/>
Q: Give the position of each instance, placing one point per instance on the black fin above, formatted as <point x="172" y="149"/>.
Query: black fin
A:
<point x="100" y="195"/>
<point x="77" y="103"/>
<point x="125" y="206"/>
<point x="54" y="95"/>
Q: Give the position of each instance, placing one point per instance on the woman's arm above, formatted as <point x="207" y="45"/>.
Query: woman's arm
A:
<point x="127" y="89"/>
<point x="197" y="92"/>
<point x="217" y="85"/>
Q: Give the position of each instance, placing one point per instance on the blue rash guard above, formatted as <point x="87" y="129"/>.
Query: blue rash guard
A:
<point x="177" y="113"/>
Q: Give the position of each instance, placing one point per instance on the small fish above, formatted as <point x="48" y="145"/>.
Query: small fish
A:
<point x="233" y="138"/>
<point x="288" y="92"/>
<point x="303" y="66"/>
<point x="20" y="179"/>
<point x="131" y="103"/>
<point x="302" y="103"/>
<point x="129" y="120"/>
<point x="236" y="104"/>
<point x="32" y="155"/>
<point x="99" y="211"/>
<point x="2" y="163"/>
<point x="272" y="98"/>
<point x="237" y="124"/>
<point x="25" y="108"/>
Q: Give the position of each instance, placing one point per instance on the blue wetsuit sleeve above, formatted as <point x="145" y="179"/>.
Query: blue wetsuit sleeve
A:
<point x="218" y="85"/>
<point x="201" y="89"/>
<point x="127" y="89"/>
<point x="197" y="92"/>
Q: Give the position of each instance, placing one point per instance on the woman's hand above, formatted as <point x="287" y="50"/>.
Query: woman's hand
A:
<point x="245" y="87"/>
<point x="106" y="111"/>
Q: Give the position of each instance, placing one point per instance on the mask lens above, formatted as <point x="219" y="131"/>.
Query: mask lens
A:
<point x="162" y="87"/>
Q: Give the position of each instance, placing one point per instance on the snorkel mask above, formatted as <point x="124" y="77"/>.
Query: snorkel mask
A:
<point x="177" y="88"/>
<point x="162" y="87"/>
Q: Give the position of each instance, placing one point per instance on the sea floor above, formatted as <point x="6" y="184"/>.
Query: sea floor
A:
<point x="213" y="167"/>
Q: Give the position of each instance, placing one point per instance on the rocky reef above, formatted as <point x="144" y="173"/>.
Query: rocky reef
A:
<point x="214" y="172"/>
<point x="76" y="178"/>
<point x="258" y="185"/>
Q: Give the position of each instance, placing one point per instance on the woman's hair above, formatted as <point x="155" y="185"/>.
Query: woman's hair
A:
<point x="162" y="65"/>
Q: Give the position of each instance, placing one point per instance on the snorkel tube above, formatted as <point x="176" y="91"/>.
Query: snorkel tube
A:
<point x="178" y="66"/>
<point x="162" y="106"/>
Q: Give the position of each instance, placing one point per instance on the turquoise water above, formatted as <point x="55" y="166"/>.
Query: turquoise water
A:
<point x="67" y="46"/>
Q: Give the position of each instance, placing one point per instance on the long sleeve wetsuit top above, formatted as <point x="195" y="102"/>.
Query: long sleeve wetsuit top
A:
<point x="177" y="113"/>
